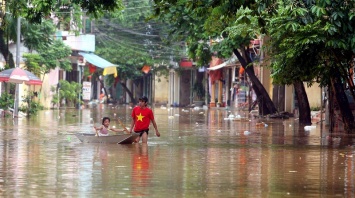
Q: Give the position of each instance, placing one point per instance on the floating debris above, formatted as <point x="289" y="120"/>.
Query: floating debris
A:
<point x="308" y="128"/>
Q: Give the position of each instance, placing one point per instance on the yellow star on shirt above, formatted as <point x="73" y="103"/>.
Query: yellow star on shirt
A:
<point x="140" y="117"/>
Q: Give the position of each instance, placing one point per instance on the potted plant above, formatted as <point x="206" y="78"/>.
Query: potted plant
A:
<point x="199" y="93"/>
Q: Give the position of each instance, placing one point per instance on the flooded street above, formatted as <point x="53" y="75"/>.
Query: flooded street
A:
<point x="201" y="153"/>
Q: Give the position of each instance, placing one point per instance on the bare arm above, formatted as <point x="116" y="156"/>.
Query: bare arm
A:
<point x="116" y="130"/>
<point x="98" y="128"/>
<point x="156" y="128"/>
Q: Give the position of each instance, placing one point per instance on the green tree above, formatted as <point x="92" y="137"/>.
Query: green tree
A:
<point x="37" y="36"/>
<point x="197" y="21"/>
<point x="66" y="12"/>
<point x="248" y="23"/>
<point x="314" y="42"/>
<point x="37" y="10"/>
<point x="69" y="92"/>
<point x="56" y="54"/>
<point x="131" y="42"/>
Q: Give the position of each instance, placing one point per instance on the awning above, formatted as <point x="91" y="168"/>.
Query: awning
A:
<point x="109" y="68"/>
<point x="97" y="60"/>
<point x="229" y="62"/>
<point x="218" y="66"/>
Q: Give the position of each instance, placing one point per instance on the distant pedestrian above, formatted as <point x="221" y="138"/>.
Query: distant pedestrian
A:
<point x="141" y="118"/>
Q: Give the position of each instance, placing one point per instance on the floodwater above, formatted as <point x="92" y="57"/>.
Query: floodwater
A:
<point x="201" y="153"/>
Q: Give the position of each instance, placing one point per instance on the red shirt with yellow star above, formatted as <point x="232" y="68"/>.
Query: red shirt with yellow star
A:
<point x="142" y="118"/>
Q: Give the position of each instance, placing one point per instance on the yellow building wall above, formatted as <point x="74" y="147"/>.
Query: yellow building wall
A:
<point x="266" y="80"/>
<point x="161" y="90"/>
<point x="314" y="95"/>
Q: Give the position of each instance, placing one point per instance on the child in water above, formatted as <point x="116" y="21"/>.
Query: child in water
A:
<point x="104" y="128"/>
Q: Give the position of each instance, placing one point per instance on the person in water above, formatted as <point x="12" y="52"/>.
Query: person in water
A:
<point x="141" y="118"/>
<point x="104" y="128"/>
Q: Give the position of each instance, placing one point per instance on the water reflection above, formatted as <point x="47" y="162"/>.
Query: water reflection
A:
<point x="141" y="174"/>
<point x="200" y="154"/>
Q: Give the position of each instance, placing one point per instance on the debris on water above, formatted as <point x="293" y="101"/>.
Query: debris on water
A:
<point x="308" y="128"/>
<point x="261" y="124"/>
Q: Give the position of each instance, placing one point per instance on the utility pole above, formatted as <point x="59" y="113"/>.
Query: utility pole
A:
<point x="15" y="113"/>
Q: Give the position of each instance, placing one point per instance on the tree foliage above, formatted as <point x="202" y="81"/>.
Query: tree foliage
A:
<point x="314" y="41"/>
<point x="131" y="42"/>
<point x="207" y="21"/>
<point x="307" y="40"/>
<point x="35" y="11"/>
<point x="56" y="54"/>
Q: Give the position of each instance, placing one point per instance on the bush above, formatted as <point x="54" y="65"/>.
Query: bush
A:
<point x="69" y="91"/>
<point x="30" y="107"/>
<point x="6" y="101"/>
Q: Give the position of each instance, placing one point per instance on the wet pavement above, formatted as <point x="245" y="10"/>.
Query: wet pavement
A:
<point x="201" y="153"/>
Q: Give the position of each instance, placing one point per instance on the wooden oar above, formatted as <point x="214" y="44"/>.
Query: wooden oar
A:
<point x="122" y="125"/>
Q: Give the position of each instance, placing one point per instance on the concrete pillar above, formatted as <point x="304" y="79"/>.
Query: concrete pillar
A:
<point x="213" y="87"/>
<point x="220" y="92"/>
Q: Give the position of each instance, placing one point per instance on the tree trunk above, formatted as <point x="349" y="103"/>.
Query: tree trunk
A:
<point x="343" y="103"/>
<point x="303" y="103"/>
<point x="5" y="51"/>
<point x="130" y="94"/>
<point x="266" y="106"/>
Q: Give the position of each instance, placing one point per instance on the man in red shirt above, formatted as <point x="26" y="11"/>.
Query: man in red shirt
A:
<point x="141" y="118"/>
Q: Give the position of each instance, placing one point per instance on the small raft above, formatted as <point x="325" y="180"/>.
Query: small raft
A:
<point x="111" y="139"/>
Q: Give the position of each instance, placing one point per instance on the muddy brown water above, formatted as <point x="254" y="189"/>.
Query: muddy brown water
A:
<point x="201" y="153"/>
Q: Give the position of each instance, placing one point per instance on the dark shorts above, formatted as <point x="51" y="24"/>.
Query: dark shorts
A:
<point x="141" y="132"/>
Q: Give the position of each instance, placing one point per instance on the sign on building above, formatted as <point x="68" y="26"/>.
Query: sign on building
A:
<point x="86" y="90"/>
